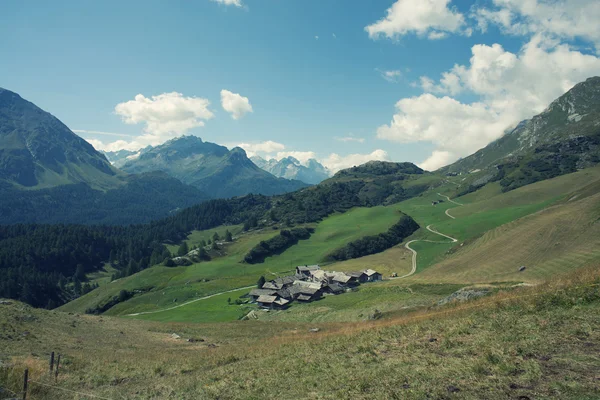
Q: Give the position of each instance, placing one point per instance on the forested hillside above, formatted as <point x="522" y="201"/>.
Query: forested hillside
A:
<point x="40" y="257"/>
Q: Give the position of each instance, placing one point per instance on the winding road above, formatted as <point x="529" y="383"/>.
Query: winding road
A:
<point x="430" y="229"/>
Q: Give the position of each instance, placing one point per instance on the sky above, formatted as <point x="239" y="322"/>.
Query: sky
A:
<point x="345" y="82"/>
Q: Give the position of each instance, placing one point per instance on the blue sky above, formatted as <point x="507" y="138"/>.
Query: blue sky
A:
<point x="311" y="73"/>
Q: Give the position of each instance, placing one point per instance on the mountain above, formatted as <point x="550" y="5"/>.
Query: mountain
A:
<point x="121" y="157"/>
<point x="573" y="119"/>
<point x="210" y="167"/>
<point x="291" y="168"/>
<point x="48" y="174"/>
<point x="39" y="151"/>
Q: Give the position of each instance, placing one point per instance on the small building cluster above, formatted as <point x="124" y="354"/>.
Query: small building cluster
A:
<point x="309" y="283"/>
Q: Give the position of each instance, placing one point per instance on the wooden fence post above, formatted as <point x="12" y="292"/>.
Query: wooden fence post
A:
<point x="51" y="363"/>
<point x="25" y="381"/>
<point x="57" y="366"/>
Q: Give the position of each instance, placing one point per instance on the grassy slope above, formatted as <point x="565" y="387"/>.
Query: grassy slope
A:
<point x="487" y="210"/>
<point x="172" y="286"/>
<point x="541" y="342"/>
<point x="484" y="225"/>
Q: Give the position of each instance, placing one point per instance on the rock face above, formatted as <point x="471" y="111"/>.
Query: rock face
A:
<point x="39" y="151"/>
<point x="572" y="119"/>
<point x="214" y="169"/>
<point x="291" y="168"/>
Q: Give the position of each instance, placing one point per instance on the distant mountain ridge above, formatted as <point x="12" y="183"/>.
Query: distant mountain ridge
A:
<point x="39" y="151"/>
<point x="214" y="169"/>
<point x="291" y="168"/>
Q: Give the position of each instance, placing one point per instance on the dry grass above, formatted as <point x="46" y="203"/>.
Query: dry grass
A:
<point x="540" y="342"/>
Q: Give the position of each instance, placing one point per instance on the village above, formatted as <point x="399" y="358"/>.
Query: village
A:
<point x="308" y="284"/>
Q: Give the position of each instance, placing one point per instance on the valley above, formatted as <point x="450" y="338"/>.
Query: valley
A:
<point x="507" y="251"/>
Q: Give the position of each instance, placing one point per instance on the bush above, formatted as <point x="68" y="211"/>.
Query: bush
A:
<point x="277" y="244"/>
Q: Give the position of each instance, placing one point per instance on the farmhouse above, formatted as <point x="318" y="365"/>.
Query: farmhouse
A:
<point x="373" y="276"/>
<point x="256" y="293"/>
<point x="357" y="277"/>
<point x="272" y="302"/>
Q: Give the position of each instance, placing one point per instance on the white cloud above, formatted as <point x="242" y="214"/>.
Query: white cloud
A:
<point x="334" y="162"/>
<point x="119" y="145"/>
<point x="164" y="116"/>
<point x="392" y="76"/>
<point x="432" y="18"/>
<point x="566" y="19"/>
<point x="237" y="3"/>
<point x="235" y="104"/>
<point x="350" y="138"/>
<point x="436" y="160"/>
<point x="511" y="87"/>
<point x="316" y="38"/>
<point x="262" y="148"/>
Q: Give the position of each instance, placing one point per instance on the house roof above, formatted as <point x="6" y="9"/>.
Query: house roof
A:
<point x="272" y="285"/>
<point x="262" y="292"/>
<point x="307" y="268"/>
<point x="318" y="274"/>
<point x="371" y="272"/>
<point x="334" y="287"/>
<point x="303" y="284"/>
<point x="281" y="302"/>
<point x="355" y="274"/>
<point x="342" y="278"/>
<point x="304" y="297"/>
<point x="267" y="299"/>
<point x="309" y="290"/>
<point x="285" y="280"/>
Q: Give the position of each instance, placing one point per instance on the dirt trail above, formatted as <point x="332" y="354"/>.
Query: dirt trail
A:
<point x="189" y="302"/>
<point x="430" y="229"/>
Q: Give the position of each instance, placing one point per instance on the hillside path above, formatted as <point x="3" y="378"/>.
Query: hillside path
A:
<point x="451" y="201"/>
<point x="189" y="302"/>
<point x="430" y="229"/>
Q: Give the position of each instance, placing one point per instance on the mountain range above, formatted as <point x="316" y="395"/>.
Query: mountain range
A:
<point x="214" y="169"/>
<point x="291" y="168"/>
<point x="49" y="174"/>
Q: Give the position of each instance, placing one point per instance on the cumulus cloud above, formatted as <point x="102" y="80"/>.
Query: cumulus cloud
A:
<point x="436" y="160"/>
<point x="392" y="76"/>
<point x="237" y="3"/>
<point x="510" y="87"/>
<point x="566" y="19"/>
<point x="235" y="104"/>
<point x="431" y="18"/>
<point x="166" y="115"/>
<point x="334" y="162"/>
